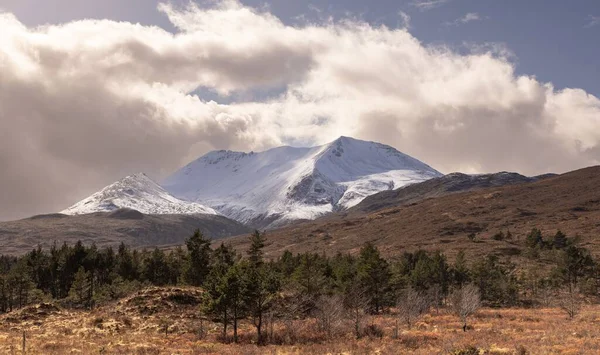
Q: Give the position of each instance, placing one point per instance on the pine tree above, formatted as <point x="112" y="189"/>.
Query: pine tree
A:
<point x="232" y="292"/>
<point x="460" y="271"/>
<point x="255" y="253"/>
<point x="374" y="277"/>
<point x="309" y="279"/>
<point x="20" y="284"/>
<point x="198" y="259"/>
<point x="574" y="264"/>
<point x="125" y="264"/>
<point x="560" y="240"/>
<point x="262" y="284"/>
<point x="176" y="262"/>
<point x="79" y="293"/>
<point x="215" y="303"/>
<point x="534" y="238"/>
<point x="343" y="271"/>
<point x="287" y="263"/>
<point x="156" y="269"/>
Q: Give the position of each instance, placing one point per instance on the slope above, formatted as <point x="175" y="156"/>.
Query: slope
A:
<point x="110" y="229"/>
<point x="444" y="185"/>
<point x="569" y="202"/>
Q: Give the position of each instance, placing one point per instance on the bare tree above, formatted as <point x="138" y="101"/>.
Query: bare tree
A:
<point x="570" y="301"/>
<point x="411" y="305"/>
<point x="435" y="297"/>
<point x="330" y="314"/>
<point x="291" y="308"/>
<point x="355" y="302"/>
<point x="544" y="294"/>
<point x="466" y="301"/>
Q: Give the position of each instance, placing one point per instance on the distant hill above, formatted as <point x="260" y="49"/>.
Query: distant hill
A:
<point x="111" y="228"/>
<point x="569" y="202"/>
<point x="441" y="186"/>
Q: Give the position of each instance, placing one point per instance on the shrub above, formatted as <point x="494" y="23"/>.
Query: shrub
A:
<point x="373" y="331"/>
<point x="469" y="350"/>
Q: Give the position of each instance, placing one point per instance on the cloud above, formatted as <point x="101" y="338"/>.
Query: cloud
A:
<point x="425" y="5"/>
<point x="405" y="18"/>
<point x="469" y="17"/>
<point x="593" y="21"/>
<point x="87" y="102"/>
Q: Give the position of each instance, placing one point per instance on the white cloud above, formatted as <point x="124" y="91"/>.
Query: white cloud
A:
<point x="593" y="21"/>
<point x="469" y="17"/>
<point x="425" y="5"/>
<point x="405" y="18"/>
<point x="84" y="103"/>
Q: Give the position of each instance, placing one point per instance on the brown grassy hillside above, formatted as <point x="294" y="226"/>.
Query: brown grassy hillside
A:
<point x="110" y="229"/>
<point x="136" y="325"/>
<point x="570" y="202"/>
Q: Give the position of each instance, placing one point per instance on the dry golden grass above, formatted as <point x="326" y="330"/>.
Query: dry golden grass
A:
<point x="135" y="325"/>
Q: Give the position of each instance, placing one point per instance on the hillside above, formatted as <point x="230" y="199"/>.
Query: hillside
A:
<point x="167" y="320"/>
<point x="111" y="228"/>
<point x="570" y="202"/>
<point x="436" y="187"/>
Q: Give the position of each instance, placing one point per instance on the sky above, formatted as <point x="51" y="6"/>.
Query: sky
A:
<point x="91" y="91"/>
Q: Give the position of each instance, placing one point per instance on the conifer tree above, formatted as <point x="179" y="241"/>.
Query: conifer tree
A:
<point x="262" y="283"/>
<point x="80" y="289"/>
<point x="255" y="252"/>
<point x="560" y="240"/>
<point x="20" y="284"/>
<point x="534" y="238"/>
<point x="287" y="264"/>
<point x="156" y="269"/>
<point x="215" y="303"/>
<point x="125" y="263"/>
<point x="232" y="292"/>
<point x="199" y="252"/>
<point x="461" y="270"/>
<point x="309" y="279"/>
<point x="374" y="277"/>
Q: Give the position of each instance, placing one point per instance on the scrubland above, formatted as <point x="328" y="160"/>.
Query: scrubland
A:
<point x="168" y="321"/>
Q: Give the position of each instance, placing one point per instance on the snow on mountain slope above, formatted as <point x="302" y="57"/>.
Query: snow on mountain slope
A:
<point x="140" y="193"/>
<point x="282" y="184"/>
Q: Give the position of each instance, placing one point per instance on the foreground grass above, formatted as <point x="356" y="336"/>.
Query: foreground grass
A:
<point x="137" y="326"/>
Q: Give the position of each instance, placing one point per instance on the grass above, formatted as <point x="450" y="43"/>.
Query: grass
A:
<point x="121" y="328"/>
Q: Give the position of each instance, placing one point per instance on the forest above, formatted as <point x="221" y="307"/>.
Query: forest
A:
<point x="247" y="287"/>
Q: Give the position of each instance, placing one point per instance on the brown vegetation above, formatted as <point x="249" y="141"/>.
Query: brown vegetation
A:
<point x="136" y="325"/>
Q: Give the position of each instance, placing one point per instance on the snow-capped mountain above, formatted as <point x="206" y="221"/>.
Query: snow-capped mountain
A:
<point x="140" y="193"/>
<point x="283" y="184"/>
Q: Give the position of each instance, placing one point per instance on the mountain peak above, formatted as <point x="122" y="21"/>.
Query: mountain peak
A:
<point x="138" y="192"/>
<point x="287" y="183"/>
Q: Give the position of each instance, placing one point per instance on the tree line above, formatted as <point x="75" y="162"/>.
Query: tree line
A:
<point x="249" y="287"/>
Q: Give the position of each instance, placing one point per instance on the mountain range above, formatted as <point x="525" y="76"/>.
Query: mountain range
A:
<point x="270" y="188"/>
<point x="328" y="198"/>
